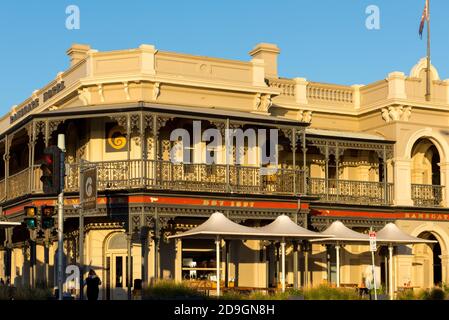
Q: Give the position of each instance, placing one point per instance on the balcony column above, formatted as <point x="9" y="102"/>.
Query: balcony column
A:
<point x="31" y="146"/>
<point x="326" y="181"/>
<point x="143" y="150"/>
<point x="384" y="160"/>
<point x="444" y="173"/>
<point x="128" y="136"/>
<point x="337" y="168"/>
<point x="402" y="182"/>
<point x="293" y="146"/>
<point x="228" y="147"/>
<point x="304" y="160"/>
<point x="6" y="157"/>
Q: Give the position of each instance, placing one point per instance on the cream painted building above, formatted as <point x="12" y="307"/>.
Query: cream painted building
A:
<point x="362" y="154"/>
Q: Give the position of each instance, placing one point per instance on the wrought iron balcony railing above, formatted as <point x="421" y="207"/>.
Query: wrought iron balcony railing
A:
<point x="351" y="191"/>
<point x="426" y="195"/>
<point x="165" y="175"/>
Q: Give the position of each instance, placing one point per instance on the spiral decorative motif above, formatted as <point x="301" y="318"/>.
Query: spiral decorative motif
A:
<point x="116" y="138"/>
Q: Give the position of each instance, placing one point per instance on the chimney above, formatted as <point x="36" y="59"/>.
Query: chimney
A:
<point x="267" y="52"/>
<point x="77" y="53"/>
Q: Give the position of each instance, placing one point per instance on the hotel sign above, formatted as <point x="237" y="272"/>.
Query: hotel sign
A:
<point x="426" y="216"/>
<point x="88" y="190"/>
<point x="36" y="102"/>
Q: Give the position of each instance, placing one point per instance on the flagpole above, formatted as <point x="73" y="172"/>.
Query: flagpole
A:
<point x="428" y="53"/>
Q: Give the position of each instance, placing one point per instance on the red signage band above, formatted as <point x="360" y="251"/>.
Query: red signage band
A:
<point x="209" y="202"/>
<point x="382" y="215"/>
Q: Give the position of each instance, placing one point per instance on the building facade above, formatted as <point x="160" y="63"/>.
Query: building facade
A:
<point x="363" y="154"/>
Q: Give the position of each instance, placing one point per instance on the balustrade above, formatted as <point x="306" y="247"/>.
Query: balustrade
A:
<point x="424" y="195"/>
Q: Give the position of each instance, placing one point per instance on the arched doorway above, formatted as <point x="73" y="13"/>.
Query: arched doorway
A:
<point x="427" y="263"/>
<point x="116" y="266"/>
<point x="426" y="177"/>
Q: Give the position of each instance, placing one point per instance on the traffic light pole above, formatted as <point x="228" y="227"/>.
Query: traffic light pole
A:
<point x="81" y="251"/>
<point x="61" y="145"/>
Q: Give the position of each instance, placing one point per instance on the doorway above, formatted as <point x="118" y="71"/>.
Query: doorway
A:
<point x="117" y="268"/>
<point x="428" y="262"/>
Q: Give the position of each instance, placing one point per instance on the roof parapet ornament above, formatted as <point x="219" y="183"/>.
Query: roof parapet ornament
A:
<point x="419" y="70"/>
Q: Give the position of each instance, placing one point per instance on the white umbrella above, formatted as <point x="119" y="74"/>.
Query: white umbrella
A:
<point x="391" y="235"/>
<point x="341" y="234"/>
<point x="218" y="227"/>
<point x="285" y="227"/>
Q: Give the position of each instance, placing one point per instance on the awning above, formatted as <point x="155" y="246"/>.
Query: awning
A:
<point x="337" y="232"/>
<point x="218" y="225"/>
<point x="210" y="112"/>
<point x="284" y="226"/>
<point x="347" y="135"/>
<point x="391" y="234"/>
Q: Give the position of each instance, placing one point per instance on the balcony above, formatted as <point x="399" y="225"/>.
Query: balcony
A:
<point x="165" y="175"/>
<point x="351" y="191"/>
<point x="425" y="195"/>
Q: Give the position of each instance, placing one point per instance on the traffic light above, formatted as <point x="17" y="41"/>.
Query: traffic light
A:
<point x="47" y="220"/>
<point x="31" y="217"/>
<point x="52" y="166"/>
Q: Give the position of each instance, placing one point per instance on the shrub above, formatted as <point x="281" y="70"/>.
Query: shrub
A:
<point x="409" y="295"/>
<point x="5" y="293"/>
<point x="171" y="290"/>
<point x="24" y="293"/>
<point x="436" y="294"/>
<point x="232" y="295"/>
<point x="262" y="296"/>
<point x="325" y="292"/>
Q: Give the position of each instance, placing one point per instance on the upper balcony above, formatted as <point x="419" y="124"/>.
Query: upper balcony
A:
<point x="335" y="167"/>
<point x="308" y="167"/>
<point x="165" y="175"/>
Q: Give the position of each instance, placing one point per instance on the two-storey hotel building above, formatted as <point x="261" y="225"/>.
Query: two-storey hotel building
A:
<point x="364" y="154"/>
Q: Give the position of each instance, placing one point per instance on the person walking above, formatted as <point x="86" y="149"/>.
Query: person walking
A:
<point x="92" y="282"/>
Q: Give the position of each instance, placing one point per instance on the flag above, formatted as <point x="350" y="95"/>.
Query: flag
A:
<point x="424" y="18"/>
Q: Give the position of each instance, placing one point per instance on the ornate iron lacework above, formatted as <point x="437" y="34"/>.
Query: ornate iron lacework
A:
<point x="321" y="223"/>
<point x="343" y="145"/>
<point x="105" y="225"/>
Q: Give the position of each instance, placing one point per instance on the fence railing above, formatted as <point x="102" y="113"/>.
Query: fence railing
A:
<point x="351" y="191"/>
<point x="165" y="175"/>
<point x="323" y="92"/>
<point x="18" y="184"/>
<point x="426" y="195"/>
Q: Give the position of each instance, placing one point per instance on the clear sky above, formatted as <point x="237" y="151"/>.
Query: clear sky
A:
<point x="321" y="40"/>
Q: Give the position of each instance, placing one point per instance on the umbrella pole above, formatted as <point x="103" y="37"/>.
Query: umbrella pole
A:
<point x="283" y="264"/>
<point x="390" y="275"/>
<point x="337" y="253"/>
<point x="217" y="247"/>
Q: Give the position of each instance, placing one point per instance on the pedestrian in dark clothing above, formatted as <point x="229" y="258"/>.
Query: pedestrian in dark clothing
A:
<point x="92" y="283"/>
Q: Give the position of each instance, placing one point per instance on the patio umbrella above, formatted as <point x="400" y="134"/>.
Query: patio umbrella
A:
<point x="219" y="227"/>
<point x="284" y="228"/>
<point x="341" y="234"/>
<point x="391" y="235"/>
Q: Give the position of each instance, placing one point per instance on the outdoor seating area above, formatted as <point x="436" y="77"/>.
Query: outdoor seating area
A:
<point x="218" y="227"/>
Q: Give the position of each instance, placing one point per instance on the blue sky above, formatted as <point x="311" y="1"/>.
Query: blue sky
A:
<point x="321" y="40"/>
